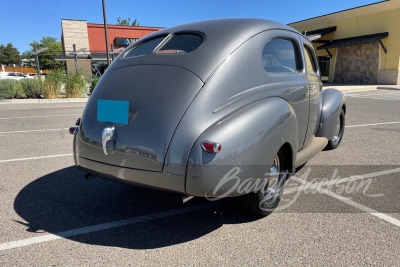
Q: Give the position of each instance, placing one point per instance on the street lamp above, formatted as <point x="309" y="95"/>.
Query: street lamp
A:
<point x="106" y="35"/>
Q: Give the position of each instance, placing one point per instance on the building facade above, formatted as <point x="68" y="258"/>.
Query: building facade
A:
<point x="359" y="45"/>
<point x="90" y="44"/>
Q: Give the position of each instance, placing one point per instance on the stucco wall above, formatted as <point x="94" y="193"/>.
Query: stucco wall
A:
<point x="357" y="64"/>
<point x="380" y="17"/>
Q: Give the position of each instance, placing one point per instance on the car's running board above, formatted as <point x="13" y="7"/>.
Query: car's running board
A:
<point x="315" y="146"/>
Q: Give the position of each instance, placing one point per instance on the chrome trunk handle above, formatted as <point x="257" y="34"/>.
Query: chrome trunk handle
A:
<point x="107" y="135"/>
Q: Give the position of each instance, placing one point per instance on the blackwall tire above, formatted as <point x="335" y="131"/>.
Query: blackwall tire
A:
<point x="266" y="200"/>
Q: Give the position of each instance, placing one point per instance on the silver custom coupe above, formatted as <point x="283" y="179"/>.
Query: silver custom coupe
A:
<point x="208" y="108"/>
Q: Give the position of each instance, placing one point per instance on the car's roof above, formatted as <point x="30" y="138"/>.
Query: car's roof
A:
<point x="232" y="26"/>
<point x="222" y="37"/>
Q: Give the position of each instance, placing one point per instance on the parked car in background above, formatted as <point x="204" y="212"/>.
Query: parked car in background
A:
<point x="14" y="75"/>
<point x="187" y="105"/>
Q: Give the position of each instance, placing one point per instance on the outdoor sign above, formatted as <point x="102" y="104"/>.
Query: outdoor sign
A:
<point x="125" y="41"/>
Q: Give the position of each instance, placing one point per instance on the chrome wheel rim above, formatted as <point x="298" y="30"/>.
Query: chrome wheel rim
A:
<point x="273" y="183"/>
<point x="338" y="133"/>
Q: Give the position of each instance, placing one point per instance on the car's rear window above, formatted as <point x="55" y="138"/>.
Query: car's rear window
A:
<point x="182" y="43"/>
<point x="145" y="48"/>
<point x="178" y="43"/>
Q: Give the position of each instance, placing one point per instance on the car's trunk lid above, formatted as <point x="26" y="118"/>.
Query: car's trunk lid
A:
<point x="158" y="96"/>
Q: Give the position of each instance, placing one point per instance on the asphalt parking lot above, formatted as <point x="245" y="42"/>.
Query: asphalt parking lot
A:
<point x="51" y="215"/>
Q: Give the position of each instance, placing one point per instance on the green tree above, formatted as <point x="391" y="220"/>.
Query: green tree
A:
<point x="2" y="47"/>
<point x="9" y="54"/>
<point x="46" y="61"/>
<point x="27" y="54"/>
<point x="127" y="22"/>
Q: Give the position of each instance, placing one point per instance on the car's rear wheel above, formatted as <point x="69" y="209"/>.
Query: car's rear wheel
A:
<point x="337" y="138"/>
<point x="267" y="199"/>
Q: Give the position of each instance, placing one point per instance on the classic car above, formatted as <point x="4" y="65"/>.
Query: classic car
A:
<point x="201" y="107"/>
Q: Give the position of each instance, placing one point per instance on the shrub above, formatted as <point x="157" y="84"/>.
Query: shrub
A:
<point x="75" y="84"/>
<point x="52" y="84"/>
<point x="93" y="83"/>
<point x="32" y="88"/>
<point x="19" y="92"/>
<point x="8" y="88"/>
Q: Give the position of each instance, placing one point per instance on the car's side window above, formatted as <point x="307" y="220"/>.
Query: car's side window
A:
<point x="281" y="55"/>
<point x="12" y="74"/>
<point x="310" y="62"/>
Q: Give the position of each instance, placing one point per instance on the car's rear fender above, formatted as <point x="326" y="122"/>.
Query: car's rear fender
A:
<point x="332" y="102"/>
<point x="250" y="139"/>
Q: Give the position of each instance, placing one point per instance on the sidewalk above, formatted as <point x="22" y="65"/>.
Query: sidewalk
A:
<point x="42" y="101"/>
<point x="346" y="88"/>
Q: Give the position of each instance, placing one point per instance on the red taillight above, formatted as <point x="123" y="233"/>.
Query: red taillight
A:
<point x="211" y="147"/>
<point x="72" y="130"/>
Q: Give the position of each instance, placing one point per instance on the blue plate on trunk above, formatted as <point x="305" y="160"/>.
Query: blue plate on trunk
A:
<point x="113" y="111"/>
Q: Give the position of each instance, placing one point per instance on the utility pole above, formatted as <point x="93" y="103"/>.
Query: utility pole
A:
<point x="75" y="57"/>
<point x="75" y="54"/>
<point x="37" y="61"/>
<point x="36" y="54"/>
<point x="105" y="30"/>
<point x="115" y="51"/>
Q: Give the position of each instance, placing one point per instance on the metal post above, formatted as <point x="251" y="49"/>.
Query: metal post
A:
<point x="37" y="61"/>
<point x="112" y="52"/>
<point x="75" y="57"/>
<point x="105" y="30"/>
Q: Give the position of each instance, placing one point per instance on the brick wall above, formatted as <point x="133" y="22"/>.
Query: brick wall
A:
<point x="357" y="64"/>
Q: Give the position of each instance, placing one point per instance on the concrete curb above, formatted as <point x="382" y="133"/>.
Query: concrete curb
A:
<point x="360" y="88"/>
<point x="43" y="101"/>
<point x="345" y="89"/>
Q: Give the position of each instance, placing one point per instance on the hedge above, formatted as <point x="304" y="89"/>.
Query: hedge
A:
<point x="8" y="88"/>
<point x="32" y="88"/>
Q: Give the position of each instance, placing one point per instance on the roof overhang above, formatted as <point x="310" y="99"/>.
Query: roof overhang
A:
<point x="322" y="32"/>
<point x="356" y="40"/>
<point x="314" y="35"/>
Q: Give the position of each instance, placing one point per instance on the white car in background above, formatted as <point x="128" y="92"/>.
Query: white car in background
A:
<point x="14" y="75"/>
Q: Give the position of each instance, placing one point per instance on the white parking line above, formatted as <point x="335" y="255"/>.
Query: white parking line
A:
<point x="342" y="180"/>
<point x="27" y="117"/>
<point x="33" y="158"/>
<point x="30" y="131"/>
<point x="373" y="124"/>
<point x="363" y="208"/>
<point x="105" y="226"/>
<point x="350" y="202"/>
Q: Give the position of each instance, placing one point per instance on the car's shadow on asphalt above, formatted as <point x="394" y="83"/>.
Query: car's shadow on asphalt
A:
<point x="64" y="200"/>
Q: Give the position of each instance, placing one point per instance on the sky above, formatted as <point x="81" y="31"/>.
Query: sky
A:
<point x="24" y="21"/>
